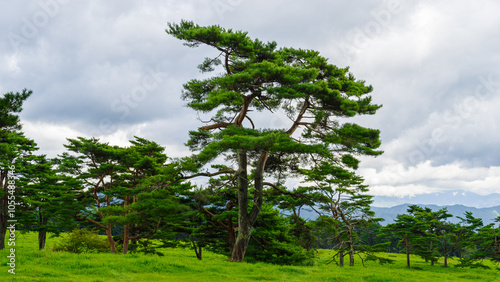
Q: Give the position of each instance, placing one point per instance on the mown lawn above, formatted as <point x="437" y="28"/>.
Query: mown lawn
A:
<point x="182" y="265"/>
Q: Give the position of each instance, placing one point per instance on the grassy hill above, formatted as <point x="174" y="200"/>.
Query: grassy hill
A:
<point x="182" y="265"/>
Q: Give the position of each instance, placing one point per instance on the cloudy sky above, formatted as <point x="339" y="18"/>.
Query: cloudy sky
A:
<point x="108" y="69"/>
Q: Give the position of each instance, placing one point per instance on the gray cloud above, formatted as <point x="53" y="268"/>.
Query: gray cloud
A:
<point x="108" y="69"/>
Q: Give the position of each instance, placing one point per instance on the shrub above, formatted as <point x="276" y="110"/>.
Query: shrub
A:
<point x="82" y="241"/>
<point x="272" y="241"/>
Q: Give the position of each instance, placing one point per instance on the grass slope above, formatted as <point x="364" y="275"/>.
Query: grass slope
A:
<point x="182" y="265"/>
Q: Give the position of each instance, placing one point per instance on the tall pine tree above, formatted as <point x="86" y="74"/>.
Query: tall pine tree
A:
<point x="258" y="77"/>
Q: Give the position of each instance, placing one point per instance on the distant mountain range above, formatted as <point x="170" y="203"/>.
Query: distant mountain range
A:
<point x="457" y="202"/>
<point x="448" y="198"/>
<point x="487" y="214"/>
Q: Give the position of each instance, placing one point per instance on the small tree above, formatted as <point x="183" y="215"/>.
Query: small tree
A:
<point x="436" y="224"/>
<point x="487" y="240"/>
<point x="48" y="197"/>
<point x="411" y="231"/>
<point x="457" y="237"/>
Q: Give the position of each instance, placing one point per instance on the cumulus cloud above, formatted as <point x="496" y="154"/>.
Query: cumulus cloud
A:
<point x="109" y="70"/>
<point x="425" y="178"/>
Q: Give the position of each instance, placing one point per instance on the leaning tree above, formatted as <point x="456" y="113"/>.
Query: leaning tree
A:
<point x="253" y="78"/>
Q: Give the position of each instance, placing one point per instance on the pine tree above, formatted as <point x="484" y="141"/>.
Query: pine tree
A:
<point x="410" y="229"/>
<point x="129" y="187"/>
<point x="259" y="78"/>
<point x="49" y="198"/>
<point x="13" y="145"/>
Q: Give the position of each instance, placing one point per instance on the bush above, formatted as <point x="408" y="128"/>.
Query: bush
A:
<point x="281" y="253"/>
<point x="82" y="241"/>
<point x="272" y="241"/>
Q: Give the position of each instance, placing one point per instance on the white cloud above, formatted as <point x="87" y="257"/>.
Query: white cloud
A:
<point x="49" y="137"/>
<point x="425" y="178"/>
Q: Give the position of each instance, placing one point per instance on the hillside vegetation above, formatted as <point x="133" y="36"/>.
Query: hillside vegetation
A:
<point x="181" y="265"/>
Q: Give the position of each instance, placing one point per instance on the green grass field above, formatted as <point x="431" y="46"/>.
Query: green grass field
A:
<point x="182" y="265"/>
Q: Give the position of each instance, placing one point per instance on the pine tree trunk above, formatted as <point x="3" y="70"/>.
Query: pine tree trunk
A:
<point x="3" y="213"/>
<point x="351" y="258"/>
<point x="42" y="237"/>
<point x="126" y="235"/>
<point x="197" y="250"/>
<point x="445" y="254"/>
<point x="244" y="230"/>
<point x="351" y="244"/>
<point x="125" y="238"/>
<point x="240" y="247"/>
<point x="2" y="237"/>
<point x="110" y="239"/>
<point x="231" y="234"/>
<point x="246" y="219"/>
<point x="42" y="233"/>
<point x="407" y="240"/>
<point x="430" y="248"/>
<point x="497" y="243"/>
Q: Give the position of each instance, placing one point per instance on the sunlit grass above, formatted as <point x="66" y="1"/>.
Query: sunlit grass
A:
<point x="182" y="265"/>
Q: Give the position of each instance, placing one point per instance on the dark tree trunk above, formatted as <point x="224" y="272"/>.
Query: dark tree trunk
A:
<point x="246" y="219"/>
<point x="42" y="237"/>
<point x="231" y="234"/>
<point x="2" y="237"/>
<point x="445" y="254"/>
<point x="244" y="228"/>
<point x="197" y="249"/>
<point x="125" y="239"/>
<point x="3" y="213"/>
<point x="42" y="233"/>
<point x="110" y="239"/>
<point x="407" y="241"/>
<point x="497" y="243"/>
<point x="126" y="235"/>
<point x="240" y="247"/>
<point x="430" y="247"/>
<point x="351" y="243"/>
<point x="341" y="258"/>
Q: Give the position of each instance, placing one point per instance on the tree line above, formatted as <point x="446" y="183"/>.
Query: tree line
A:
<point x="137" y="195"/>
